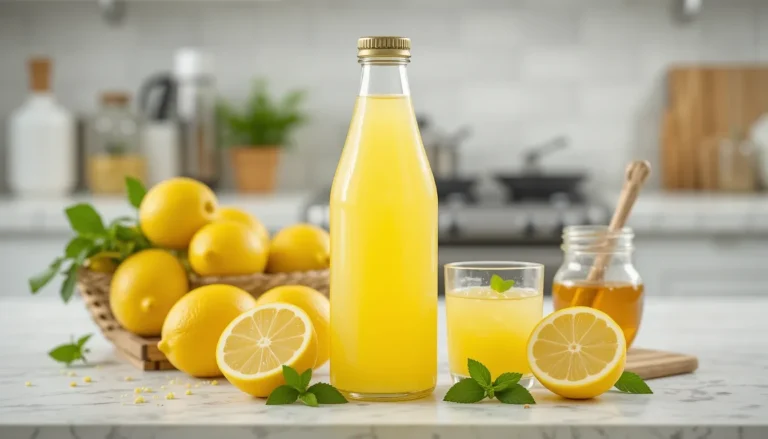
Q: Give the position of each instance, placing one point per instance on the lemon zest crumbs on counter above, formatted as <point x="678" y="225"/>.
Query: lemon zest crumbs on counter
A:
<point x="139" y="400"/>
<point x="215" y="382"/>
<point x="188" y="392"/>
<point x="137" y="390"/>
<point x="188" y="385"/>
<point x="28" y="383"/>
<point x="72" y="384"/>
<point x="72" y="374"/>
<point x="146" y="389"/>
<point x="170" y="395"/>
<point x="87" y="379"/>
<point x="128" y="378"/>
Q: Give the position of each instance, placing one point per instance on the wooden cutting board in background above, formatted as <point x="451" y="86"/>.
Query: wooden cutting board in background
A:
<point x="706" y="104"/>
<point x="649" y="363"/>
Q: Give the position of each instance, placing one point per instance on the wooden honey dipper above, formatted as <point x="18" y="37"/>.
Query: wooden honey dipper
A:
<point x="635" y="176"/>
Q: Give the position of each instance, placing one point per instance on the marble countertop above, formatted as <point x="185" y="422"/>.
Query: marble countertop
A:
<point x="726" y="398"/>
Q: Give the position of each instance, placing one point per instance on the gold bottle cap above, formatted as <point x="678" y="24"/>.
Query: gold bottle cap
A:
<point x="385" y="47"/>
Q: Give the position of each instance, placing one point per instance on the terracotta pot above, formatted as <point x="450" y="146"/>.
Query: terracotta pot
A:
<point x="255" y="168"/>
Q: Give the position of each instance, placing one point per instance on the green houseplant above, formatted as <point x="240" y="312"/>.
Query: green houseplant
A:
<point x="256" y="132"/>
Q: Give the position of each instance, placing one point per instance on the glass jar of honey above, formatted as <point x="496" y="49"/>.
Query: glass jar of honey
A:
<point x="597" y="271"/>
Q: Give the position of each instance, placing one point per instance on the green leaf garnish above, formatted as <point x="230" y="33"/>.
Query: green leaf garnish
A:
<point x="500" y="285"/>
<point x="306" y="377"/>
<point x="515" y="394"/>
<point x="136" y="191"/>
<point x="68" y="286"/>
<point x="327" y="394"/>
<point x="479" y="373"/>
<point x="632" y="383"/>
<point x="296" y="389"/>
<point x="506" y="380"/>
<point x="309" y="399"/>
<point x="38" y="281"/>
<point x="466" y="391"/>
<point x="283" y="395"/>
<point x="85" y="220"/>
<point x="70" y="352"/>
<point x="292" y="378"/>
<point x="505" y="388"/>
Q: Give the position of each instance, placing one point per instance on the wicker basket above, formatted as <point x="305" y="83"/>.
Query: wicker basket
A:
<point x="94" y="287"/>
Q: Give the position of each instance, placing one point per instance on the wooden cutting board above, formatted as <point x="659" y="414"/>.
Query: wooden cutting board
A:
<point x="706" y="104"/>
<point x="650" y="363"/>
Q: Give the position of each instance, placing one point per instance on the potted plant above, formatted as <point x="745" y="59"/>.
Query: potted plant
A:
<point x="257" y="132"/>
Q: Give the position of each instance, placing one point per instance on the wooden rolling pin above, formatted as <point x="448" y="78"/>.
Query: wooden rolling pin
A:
<point x="636" y="174"/>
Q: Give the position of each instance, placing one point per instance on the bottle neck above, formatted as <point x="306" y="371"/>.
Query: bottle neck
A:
<point x="384" y="77"/>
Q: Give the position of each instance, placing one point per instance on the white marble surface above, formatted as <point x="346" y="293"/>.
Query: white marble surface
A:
<point x="726" y="398"/>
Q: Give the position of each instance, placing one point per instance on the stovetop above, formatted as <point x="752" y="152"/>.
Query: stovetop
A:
<point x="497" y="221"/>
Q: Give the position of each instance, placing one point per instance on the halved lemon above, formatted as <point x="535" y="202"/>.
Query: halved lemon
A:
<point x="577" y="352"/>
<point x="256" y="344"/>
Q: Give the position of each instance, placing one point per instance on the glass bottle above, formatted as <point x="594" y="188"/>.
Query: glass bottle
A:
<point x="618" y="288"/>
<point x="383" y="217"/>
<point x="114" y="149"/>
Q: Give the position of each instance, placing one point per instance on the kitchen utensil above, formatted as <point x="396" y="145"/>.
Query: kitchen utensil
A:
<point x="455" y="186"/>
<point x="636" y="174"/>
<point x="160" y="132"/>
<point x="540" y="186"/>
<point x="650" y="363"/>
<point x="442" y="149"/>
<point x="533" y="156"/>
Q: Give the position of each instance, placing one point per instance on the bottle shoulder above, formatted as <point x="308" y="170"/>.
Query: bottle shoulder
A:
<point x="38" y="109"/>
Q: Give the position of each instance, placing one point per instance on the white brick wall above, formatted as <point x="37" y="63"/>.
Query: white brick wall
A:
<point x="517" y="71"/>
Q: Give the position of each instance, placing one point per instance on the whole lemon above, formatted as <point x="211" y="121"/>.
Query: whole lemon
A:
<point x="174" y="210"/>
<point x="226" y="248"/>
<point x="240" y="216"/>
<point x="195" y="323"/>
<point x="312" y="302"/>
<point x="301" y="247"/>
<point x="144" y="288"/>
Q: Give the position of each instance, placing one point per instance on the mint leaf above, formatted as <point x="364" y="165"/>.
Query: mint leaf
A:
<point x="76" y="246"/>
<point x="308" y="399"/>
<point x="136" y="191"/>
<point x="283" y="395"/>
<point x="465" y="391"/>
<point x="327" y="394"/>
<point x="70" y="352"/>
<point x="479" y="373"/>
<point x="84" y="219"/>
<point x="292" y="378"/>
<point x="306" y="377"/>
<point x="506" y="380"/>
<point x="38" y="281"/>
<point x="515" y="394"/>
<point x="83" y="340"/>
<point x="500" y="285"/>
<point x="68" y="286"/>
<point x="632" y="383"/>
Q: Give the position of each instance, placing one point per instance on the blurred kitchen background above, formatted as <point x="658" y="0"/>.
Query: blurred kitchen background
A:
<point x="529" y="109"/>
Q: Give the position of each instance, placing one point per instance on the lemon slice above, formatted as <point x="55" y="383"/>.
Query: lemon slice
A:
<point x="256" y="344"/>
<point x="577" y="352"/>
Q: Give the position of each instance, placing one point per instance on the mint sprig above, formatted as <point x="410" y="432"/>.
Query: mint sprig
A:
<point x="94" y="241"/>
<point x="505" y="388"/>
<point x="72" y="351"/>
<point x="630" y="382"/>
<point x="500" y="285"/>
<point x="295" y="389"/>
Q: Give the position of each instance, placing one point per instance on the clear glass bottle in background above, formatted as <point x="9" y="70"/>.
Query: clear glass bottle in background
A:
<point x="41" y="140"/>
<point x="114" y="146"/>
<point x="383" y="216"/>
<point x="619" y="293"/>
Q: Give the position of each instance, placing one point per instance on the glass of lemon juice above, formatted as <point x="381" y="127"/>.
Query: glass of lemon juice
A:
<point x="491" y="308"/>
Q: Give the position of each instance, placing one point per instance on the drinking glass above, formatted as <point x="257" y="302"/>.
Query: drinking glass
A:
<point x="492" y="308"/>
